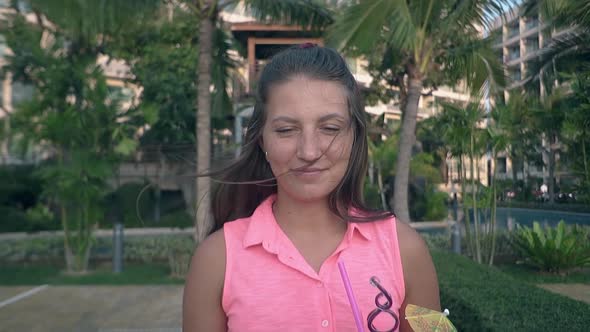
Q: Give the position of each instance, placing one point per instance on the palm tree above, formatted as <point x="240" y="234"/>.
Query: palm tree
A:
<point x="419" y="42"/>
<point x="515" y="120"/>
<point x="577" y="132"/>
<point x="549" y="118"/>
<point x="306" y="13"/>
<point x="465" y="139"/>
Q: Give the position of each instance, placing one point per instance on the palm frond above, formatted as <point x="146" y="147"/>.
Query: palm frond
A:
<point x="476" y="61"/>
<point x="87" y="19"/>
<point x="567" y="52"/>
<point x="306" y="13"/>
<point x="471" y="15"/>
<point x="360" y="26"/>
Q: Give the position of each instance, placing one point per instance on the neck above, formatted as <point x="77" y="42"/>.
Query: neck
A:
<point x="302" y="217"/>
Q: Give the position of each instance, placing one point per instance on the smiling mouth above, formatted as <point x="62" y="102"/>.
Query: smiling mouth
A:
<point x="308" y="171"/>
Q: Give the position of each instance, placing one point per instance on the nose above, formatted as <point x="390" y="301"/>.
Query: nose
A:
<point x="309" y="147"/>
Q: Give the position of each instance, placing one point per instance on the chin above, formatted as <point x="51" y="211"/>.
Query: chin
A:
<point x="309" y="195"/>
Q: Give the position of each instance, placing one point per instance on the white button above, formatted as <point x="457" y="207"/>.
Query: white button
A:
<point x="325" y="323"/>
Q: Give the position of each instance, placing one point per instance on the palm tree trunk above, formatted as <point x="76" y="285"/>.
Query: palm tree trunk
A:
<point x="585" y="158"/>
<point x="514" y="174"/>
<point x="552" y="140"/>
<point x="381" y="190"/>
<point x="494" y="209"/>
<point x="466" y="217"/>
<point x="551" y="175"/>
<point x="203" y="218"/>
<point x="474" y="198"/>
<point x="406" y="142"/>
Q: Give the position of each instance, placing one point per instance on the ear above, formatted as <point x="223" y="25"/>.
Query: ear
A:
<point x="261" y="144"/>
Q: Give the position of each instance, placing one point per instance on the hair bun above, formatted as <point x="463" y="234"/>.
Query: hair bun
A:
<point x="307" y="45"/>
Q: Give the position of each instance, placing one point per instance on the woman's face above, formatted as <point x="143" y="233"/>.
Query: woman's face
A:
<point x="307" y="137"/>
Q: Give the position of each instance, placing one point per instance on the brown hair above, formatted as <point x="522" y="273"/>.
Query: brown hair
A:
<point x="245" y="183"/>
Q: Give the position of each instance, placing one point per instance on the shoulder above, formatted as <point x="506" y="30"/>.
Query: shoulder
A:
<point x="204" y="286"/>
<point x="208" y="261"/>
<point x="410" y="242"/>
<point x="414" y="252"/>
<point x="419" y="272"/>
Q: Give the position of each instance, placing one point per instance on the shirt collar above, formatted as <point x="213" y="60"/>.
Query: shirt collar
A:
<point x="262" y="227"/>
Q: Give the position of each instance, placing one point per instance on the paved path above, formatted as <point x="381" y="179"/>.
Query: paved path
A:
<point x="93" y="309"/>
<point x="123" y="308"/>
<point x="580" y="292"/>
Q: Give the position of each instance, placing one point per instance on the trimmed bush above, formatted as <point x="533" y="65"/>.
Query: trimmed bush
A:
<point x="482" y="298"/>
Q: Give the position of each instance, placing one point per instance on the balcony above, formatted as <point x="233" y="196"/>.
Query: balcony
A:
<point x="262" y="41"/>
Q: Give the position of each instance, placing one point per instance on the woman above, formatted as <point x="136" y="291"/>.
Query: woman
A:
<point x="295" y="198"/>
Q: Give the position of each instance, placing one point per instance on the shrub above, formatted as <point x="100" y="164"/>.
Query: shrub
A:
<point x="428" y="204"/>
<point x="133" y="204"/>
<point x="557" y="250"/>
<point x="12" y="220"/>
<point x="176" y="250"/>
<point x="129" y="206"/>
<point x="20" y="206"/>
<point x="437" y="241"/>
<point x="436" y="208"/>
<point x="482" y="298"/>
<point x="372" y="196"/>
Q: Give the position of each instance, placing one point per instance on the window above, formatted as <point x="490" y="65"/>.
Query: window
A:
<point x="513" y="53"/>
<point x="532" y="22"/>
<point x="501" y="165"/>
<point x="532" y="44"/>
<point x="513" y="30"/>
<point x="515" y="75"/>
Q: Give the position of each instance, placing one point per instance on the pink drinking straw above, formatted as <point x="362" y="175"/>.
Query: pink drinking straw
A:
<point x="351" y="299"/>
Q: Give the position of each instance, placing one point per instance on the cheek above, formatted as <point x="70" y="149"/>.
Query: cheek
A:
<point x="280" y="151"/>
<point x="341" y="149"/>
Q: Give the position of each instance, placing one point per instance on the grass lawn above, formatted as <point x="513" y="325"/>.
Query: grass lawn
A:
<point x="136" y="274"/>
<point x="528" y="274"/>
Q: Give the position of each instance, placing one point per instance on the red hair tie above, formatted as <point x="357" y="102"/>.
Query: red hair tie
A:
<point x="307" y="45"/>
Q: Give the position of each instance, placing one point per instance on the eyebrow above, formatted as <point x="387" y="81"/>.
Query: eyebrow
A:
<point x="322" y="119"/>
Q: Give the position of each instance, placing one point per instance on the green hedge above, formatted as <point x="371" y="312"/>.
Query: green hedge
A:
<point x="153" y="248"/>
<point x="481" y="298"/>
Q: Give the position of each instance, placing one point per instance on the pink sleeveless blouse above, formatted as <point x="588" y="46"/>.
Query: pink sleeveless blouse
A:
<point x="269" y="286"/>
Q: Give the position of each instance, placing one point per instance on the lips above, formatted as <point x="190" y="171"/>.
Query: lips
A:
<point x="308" y="171"/>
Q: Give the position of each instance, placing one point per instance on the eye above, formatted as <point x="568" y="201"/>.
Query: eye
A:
<point x="331" y="129"/>
<point x="284" y="130"/>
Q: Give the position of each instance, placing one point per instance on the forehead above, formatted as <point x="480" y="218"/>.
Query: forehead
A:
<point x="302" y="96"/>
